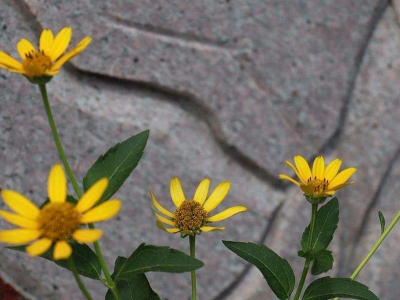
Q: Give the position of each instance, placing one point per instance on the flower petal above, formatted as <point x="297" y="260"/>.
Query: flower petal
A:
<point x="62" y="250"/>
<point x="102" y="212"/>
<point x="217" y="196"/>
<point x="87" y="235"/>
<point x="57" y="184"/>
<point x="25" y="47"/>
<point x="9" y="63"/>
<point x="164" y="220"/>
<point x="92" y="195"/>
<point x="341" y="178"/>
<point x="211" y="228"/>
<point x="170" y="230"/>
<point x="38" y="247"/>
<point x="303" y="168"/>
<point x="20" y="204"/>
<point x="176" y="191"/>
<point x="19" y="236"/>
<point x="46" y="41"/>
<point x="318" y="170"/>
<point x="202" y="191"/>
<point x="19" y="220"/>
<point x="159" y="207"/>
<point x="60" y="43"/>
<point x="332" y="169"/>
<point x="227" y="213"/>
<point x="286" y="177"/>
<point x="71" y="53"/>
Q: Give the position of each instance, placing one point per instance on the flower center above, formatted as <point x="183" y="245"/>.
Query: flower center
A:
<point x="315" y="187"/>
<point x="58" y="220"/>
<point x="190" y="216"/>
<point x="36" y="63"/>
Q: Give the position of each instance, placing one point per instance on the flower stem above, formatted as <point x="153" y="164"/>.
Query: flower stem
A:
<point x="192" y="243"/>
<point x="309" y="243"/>
<point x="43" y="91"/>
<point x="74" y="271"/>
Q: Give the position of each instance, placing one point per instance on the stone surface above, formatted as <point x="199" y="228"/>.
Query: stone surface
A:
<point x="229" y="90"/>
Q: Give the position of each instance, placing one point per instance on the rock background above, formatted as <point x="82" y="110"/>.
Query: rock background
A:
<point x="229" y="90"/>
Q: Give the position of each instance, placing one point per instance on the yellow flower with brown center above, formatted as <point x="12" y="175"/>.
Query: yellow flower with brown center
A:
<point x="58" y="221"/>
<point x="191" y="216"/>
<point x="320" y="182"/>
<point x="48" y="59"/>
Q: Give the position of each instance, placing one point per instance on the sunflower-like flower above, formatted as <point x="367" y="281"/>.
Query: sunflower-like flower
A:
<point x="191" y="216"/>
<point x="320" y="182"/>
<point x="48" y="59"/>
<point x="58" y="221"/>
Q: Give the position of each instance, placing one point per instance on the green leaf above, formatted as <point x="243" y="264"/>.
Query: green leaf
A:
<point x="117" y="164"/>
<point x="148" y="258"/>
<point x="325" y="225"/>
<point x="85" y="259"/>
<point x="327" y="288"/>
<point x="323" y="262"/>
<point x="276" y="270"/>
<point x="137" y="288"/>
<point x="382" y="221"/>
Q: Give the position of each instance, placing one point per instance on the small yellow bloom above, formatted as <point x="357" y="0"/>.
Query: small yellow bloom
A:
<point x="57" y="221"/>
<point x="191" y="216"/>
<point x="48" y="59"/>
<point x="320" y="182"/>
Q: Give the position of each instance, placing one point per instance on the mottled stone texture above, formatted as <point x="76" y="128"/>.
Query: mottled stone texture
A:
<point x="229" y="90"/>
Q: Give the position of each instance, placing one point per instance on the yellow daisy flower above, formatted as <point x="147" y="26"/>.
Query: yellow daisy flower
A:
<point x="191" y="216"/>
<point x="48" y="59"/>
<point x="320" y="182"/>
<point x="57" y="221"/>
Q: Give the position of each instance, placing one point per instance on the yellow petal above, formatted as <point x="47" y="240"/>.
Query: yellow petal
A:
<point x="62" y="250"/>
<point x="286" y="177"/>
<point x="20" y="204"/>
<point x="341" y="178"/>
<point x="159" y="207"/>
<point x="176" y="191"/>
<point x="202" y="191"/>
<point x="169" y="230"/>
<point x="304" y="171"/>
<point x="60" y="43"/>
<point x="102" y="212"/>
<point x="211" y="228"/>
<point x="87" y="235"/>
<point x="332" y="169"/>
<point x="318" y="170"/>
<point x="19" y="236"/>
<point x="92" y="195"/>
<point x="39" y="247"/>
<point x="71" y="53"/>
<point x="9" y="63"/>
<point x="165" y="220"/>
<point x="46" y="41"/>
<point x="25" y="47"/>
<point x="57" y="184"/>
<point x="19" y="220"/>
<point x="217" y="196"/>
<point x="227" y="213"/>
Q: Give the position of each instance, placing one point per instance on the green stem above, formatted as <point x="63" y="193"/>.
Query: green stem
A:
<point x="192" y="243"/>
<point x="43" y="91"/>
<point x="307" y="262"/>
<point x="74" y="271"/>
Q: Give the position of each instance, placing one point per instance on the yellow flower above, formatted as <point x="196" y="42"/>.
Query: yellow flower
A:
<point x="48" y="59"/>
<point x="191" y="216"/>
<point x="320" y="182"/>
<point x="58" y="221"/>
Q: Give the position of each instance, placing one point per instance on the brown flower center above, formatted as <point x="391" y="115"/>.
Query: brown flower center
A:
<point x="36" y="64"/>
<point x="190" y="216"/>
<point x="58" y="220"/>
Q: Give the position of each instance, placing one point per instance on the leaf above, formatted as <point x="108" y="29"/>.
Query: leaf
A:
<point x="323" y="262"/>
<point x="276" y="270"/>
<point x="84" y="258"/>
<point x="325" y="225"/>
<point x="327" y="288"/>
<point x="117" y="164"/>
<point x="137" y="288"/>
<point x="382" y="221"/>
<point x="148" y="258"/>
